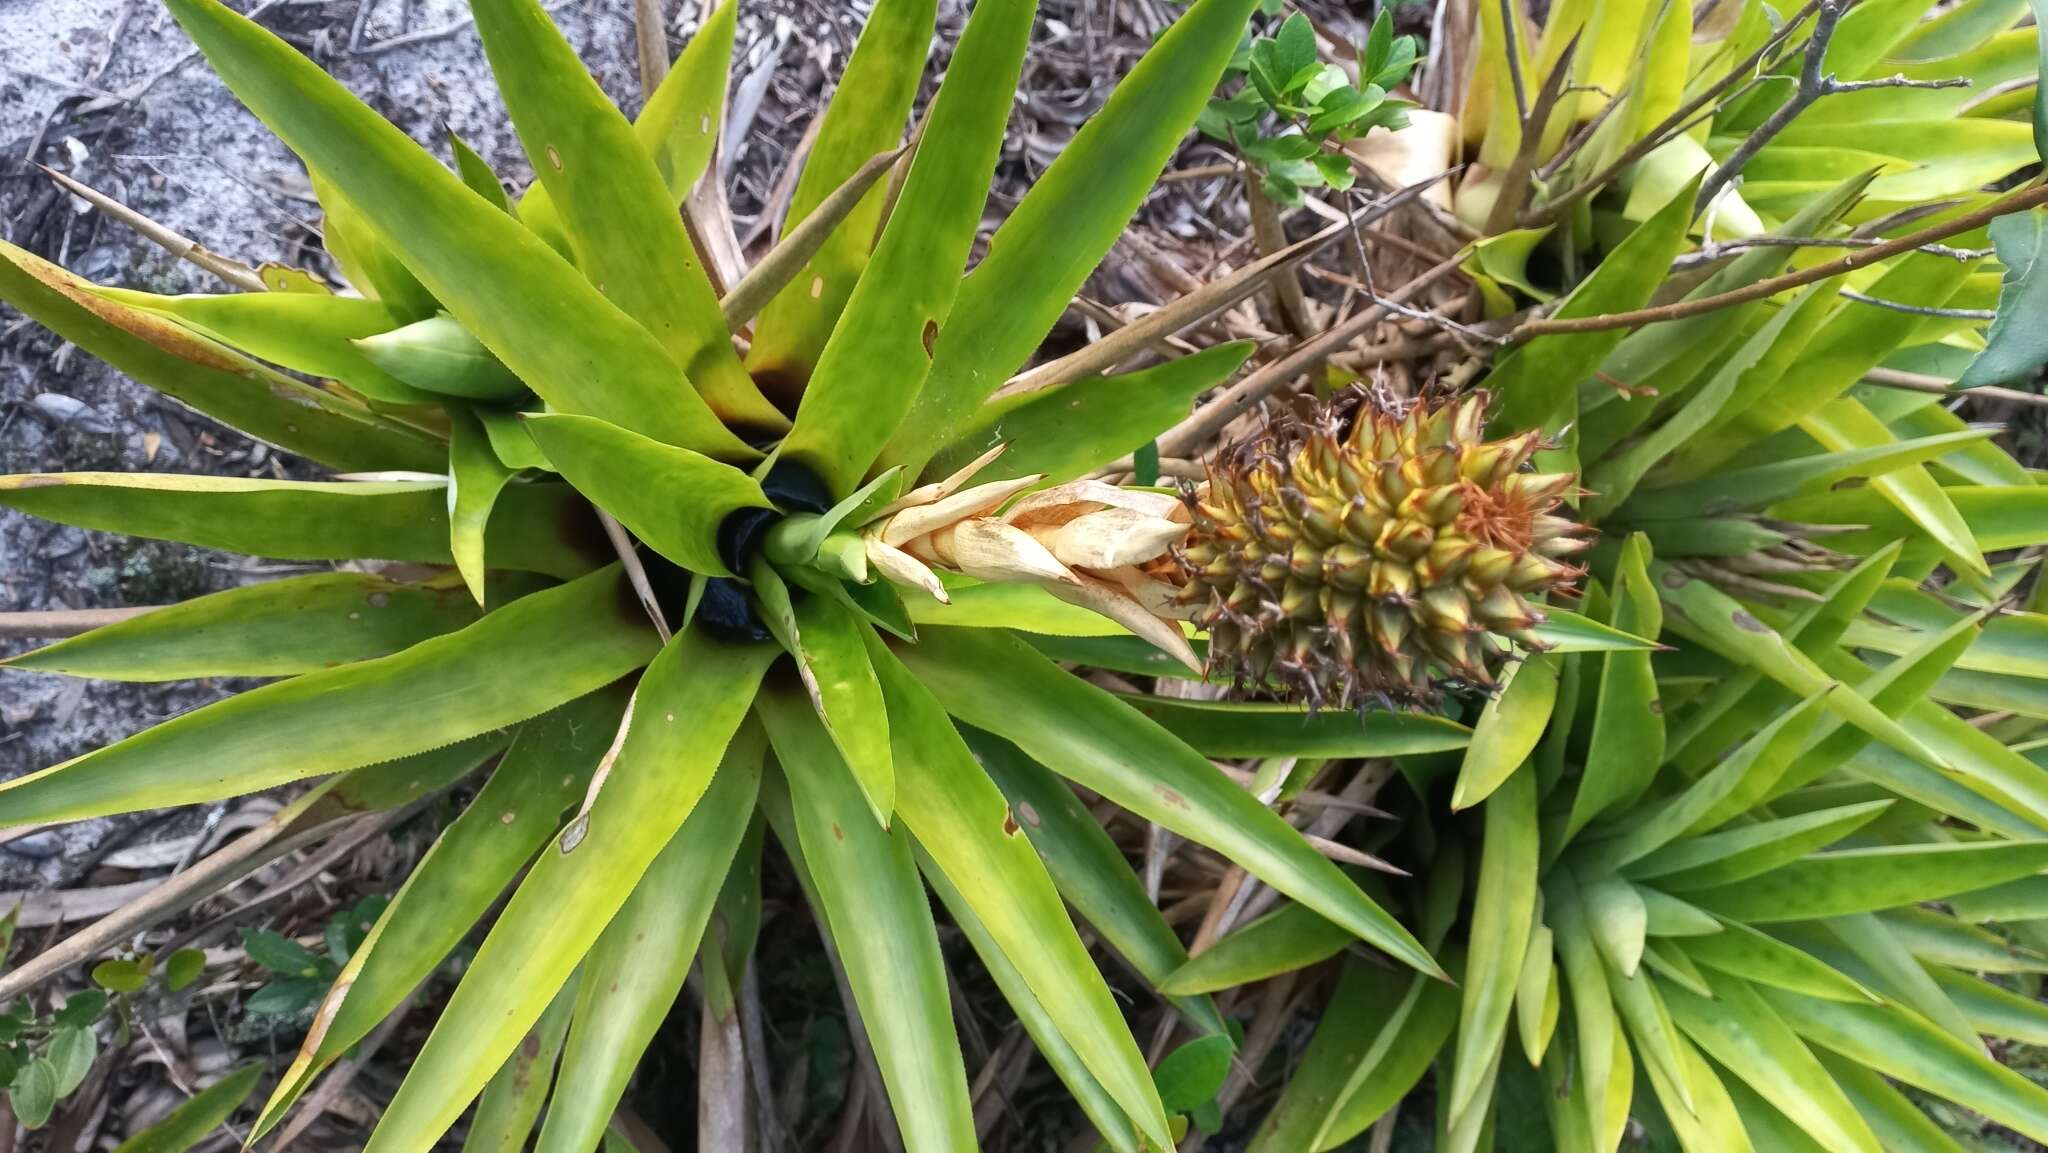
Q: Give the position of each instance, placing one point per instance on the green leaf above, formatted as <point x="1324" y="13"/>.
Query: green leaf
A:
<point x="1536" y="994"/>
<point x="1627" y="742"/>
<point x="278" y="953"/>
<point x="1538" y="380"/>
<point x="999" y="683"/>
<point x="635" y="971"/>
<point x="866" y="887"/>
<point x="2024" y="899"/>
<point x="1820" y="475"/>
<point x="1906" y="1047"/>
<point x="876" y="360"/>
<point x="510" y="1104"/>
<point x="1375" y="1041"/>
<point x="303" y="520"/>
<point x="962" y="820"/>
<point x="2013" y="347"/>
<point x="1765" y="960"/>
<point x="475" y="478"/>
<point x="503" y="283"/>
<point x="480" y="678"/>
<point x="617" y="211"/>
<point x="1744" y="851"/>
<point x="80" y="1009"/>
<point x="439" y="358"/>
<point x="179" y="363"/>
<point x="183" y="967"/>
<point x="1089" y="869"/>
<point x="276" y="628"/>
<point x="1287" y="939"/>
<point x="71" y="1054"/>
<point x="1865" y="880"/>
<point x="1503" y="909"/>
<point x="1844" y="424"/>
<point x="1074" y="211"/>
<point x="865" y="117"/>
<point x="1109" y="1118"/>
<point x="1895" y="1118"/>
<point x="1704" y="614"/>
<point x="1993" y="1010"/>
<point x="2040" y="93"/>
<point x="1740" y="1030"/>
<point x="1268" y="729"/>
<point x="1069" y="430"/>
<point x="476" y="172"/>
<point x="679" y="124"/>
<point x="1940" y="939"/>
<point x="686" y="710"/>
<point x="637" y="480"/>
<point x="1742" y="778"/>
<point x="463" y="874"/>
<point x="1026" y="607"/>
<point x="1192" y="1074"/>
<point x="1761" y="357"/>
<point x="120" y="976"/>
<point x="1563" y="631"/>
<point x="834" y="663"/>
<point x="1656" y="1037"/>
<point x="1593" y="1016"/>
<point x="1508" y="728"/>
<point x="306" y="332"/>
<point x="285" y="997"/>
<point x="1617" y="917"/>
<point x="198" y="1117"/>
<point x="33" y="1092"/>
<point x="1854" y="340"/>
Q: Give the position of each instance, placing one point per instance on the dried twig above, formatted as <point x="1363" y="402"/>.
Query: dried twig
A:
<point x="54" y="624"/>
<point x="1679" y="310"/>
<point x="1239" y="398"/>
<point x="1814" y="83"/>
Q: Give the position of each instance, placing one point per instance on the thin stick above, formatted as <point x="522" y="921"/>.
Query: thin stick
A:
<point x="58" y="623"/>
<point x="1893" y="378"/>
<point x="1679" y="310"/>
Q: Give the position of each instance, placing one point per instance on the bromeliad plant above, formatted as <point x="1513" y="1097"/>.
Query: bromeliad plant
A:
<point x="1745" y="890"/>
<point x="513" y="387"/>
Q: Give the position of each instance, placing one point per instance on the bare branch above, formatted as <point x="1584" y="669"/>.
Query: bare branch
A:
<point x="1678" y="310"/>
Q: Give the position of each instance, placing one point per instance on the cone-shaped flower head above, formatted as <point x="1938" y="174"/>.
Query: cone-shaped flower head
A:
<point x="1380" y="560"/>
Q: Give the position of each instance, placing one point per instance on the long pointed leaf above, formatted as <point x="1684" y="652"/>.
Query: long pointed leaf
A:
<point x="684" y="716"/>
<point x="881" y="349"/>
<point x="439" y="691"/>
<point x="875" y="909"/>
<point x="549" y="325"/>
<point x="1055" y="237"/>
<point x="1001" y="684"/>
<point x="614" y="206"/>
<point x="635" y="971"/>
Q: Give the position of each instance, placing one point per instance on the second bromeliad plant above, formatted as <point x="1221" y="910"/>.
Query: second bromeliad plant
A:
<point x="561" y="366"/>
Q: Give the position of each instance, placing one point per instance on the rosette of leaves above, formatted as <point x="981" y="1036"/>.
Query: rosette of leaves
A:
<point x="515" y="383"/>
<point x="1598" y="109"/>
<point x="1764" y="886"/>
<point x="1294" y="108"/>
